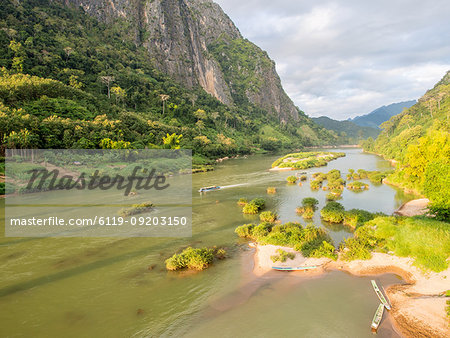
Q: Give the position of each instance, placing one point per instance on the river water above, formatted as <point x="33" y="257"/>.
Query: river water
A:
<point x="114" y="287"/>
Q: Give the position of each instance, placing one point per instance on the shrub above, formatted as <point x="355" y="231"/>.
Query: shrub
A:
<point x="268" y="216"/>
<point x="221" y="253"/>
<point x="245" y="230"/>
<point x="259" y="202"/>
<point x="308" y="213"/>
<point x="303" y="178"/>
<point x="357" y="217"/>
<point x="136" y="209"/>
<point x="357" y="186"/>
<point x="250" y="209"/>
<point x="291" y="179"/>
<point x="332" y="197"/>
<point x="261" y="230"/>
<point x="282" y="256"/>
<point x="271" y="190"/>
<point x="242" y="201"/>
<point x="310" y="202"/>
<point x="326" y="249"/>
<point x="315" y="184"/>
<point x="196" y="259"/>
<point x="333" y="212"/>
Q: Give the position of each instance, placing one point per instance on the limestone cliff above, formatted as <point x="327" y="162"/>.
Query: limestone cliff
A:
<point x="196" y="43"/>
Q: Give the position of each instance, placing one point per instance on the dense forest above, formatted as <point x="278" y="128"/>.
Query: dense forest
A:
<point x="419" y="140"/>
<point x="70" y="81"/>
<point x="346" y="132"/>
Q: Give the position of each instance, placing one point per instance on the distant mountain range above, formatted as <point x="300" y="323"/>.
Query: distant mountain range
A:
<point x="382" y="114"/>
<point x="346" y="131"/>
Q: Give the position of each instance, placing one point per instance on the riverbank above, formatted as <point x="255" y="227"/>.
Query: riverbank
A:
<point x="413" y="208"/>
<point x="418" y="307"/>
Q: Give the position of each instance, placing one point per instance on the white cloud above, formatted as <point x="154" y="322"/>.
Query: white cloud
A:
<point x="346" y="58"/>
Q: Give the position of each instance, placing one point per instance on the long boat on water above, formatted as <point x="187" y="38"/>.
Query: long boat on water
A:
<point x="380" y="295"/>
<point x="211" y="188"/>
<point x="290" y="268"/>
<point x="377" y="317"/>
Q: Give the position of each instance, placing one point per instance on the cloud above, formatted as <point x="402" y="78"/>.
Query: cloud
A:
<point x="346" y="58"/>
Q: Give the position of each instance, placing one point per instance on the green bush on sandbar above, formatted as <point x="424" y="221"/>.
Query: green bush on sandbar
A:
<point x="333" y="212"/>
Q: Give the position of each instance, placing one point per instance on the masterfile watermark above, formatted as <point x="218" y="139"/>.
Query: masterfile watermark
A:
<point x="55" y="181"/>
<point x="98" y="193"/>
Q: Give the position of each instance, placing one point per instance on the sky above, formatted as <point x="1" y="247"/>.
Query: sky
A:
<point x="345" y="58"/>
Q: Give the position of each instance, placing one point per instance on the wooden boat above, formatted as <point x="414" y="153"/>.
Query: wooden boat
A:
<point x="211" y="188"/>
<point x="380" y="295"/>
<point x="377" y="317"/>
<point x="289" y="268"/>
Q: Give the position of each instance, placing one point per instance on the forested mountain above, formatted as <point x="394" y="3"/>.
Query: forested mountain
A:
<point x="375" y="118"/>
<point x="419" y="139"/>
<point x="347" y="132"/>
<point x="127" y="73"/>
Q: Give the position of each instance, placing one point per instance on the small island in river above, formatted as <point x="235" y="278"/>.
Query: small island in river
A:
<point x="305" y="160"/>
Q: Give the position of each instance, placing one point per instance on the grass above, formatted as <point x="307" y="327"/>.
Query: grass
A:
<point x="426" y="240"/>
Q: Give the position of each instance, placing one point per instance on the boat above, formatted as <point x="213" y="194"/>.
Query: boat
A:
<point x="380" y="295"/>
<point x="298" y="174"/>
<point x="290" y="268"/>
<point x="377" y="317"/>
<point x="211" y="188"/>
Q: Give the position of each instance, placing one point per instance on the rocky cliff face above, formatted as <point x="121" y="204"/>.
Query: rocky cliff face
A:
<point x="189" y="40"/>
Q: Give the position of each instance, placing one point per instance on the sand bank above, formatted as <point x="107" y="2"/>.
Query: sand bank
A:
<point x="418" y="307"/>
<point x="413" y="208"/>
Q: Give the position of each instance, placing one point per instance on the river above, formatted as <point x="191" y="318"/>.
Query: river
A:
<point x="116" y="287"/>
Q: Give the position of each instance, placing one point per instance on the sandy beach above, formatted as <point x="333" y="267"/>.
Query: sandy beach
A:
<point x="413" y="208"/>
<point x="418" y="307"/>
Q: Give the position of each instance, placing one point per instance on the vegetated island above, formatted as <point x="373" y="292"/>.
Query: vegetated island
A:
<point x="413" y="247"/>
<point x="304" y="160"/>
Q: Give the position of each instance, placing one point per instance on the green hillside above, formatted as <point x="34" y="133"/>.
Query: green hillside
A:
<point x="381" y="114"/>
<point x="70" y="81"/>
<point x="347" y="132"/>
<point x="419" y="139"/>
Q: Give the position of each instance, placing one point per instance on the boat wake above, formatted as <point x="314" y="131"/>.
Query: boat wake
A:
<point x="232" y="186"/>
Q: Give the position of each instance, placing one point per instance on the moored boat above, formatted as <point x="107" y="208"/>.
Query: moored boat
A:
<point x="380" y="295"/>
<point x="211" y="188"/>
<point x="377" y="317"/>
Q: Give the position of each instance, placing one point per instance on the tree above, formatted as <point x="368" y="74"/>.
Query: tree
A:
<point x="19" y="56"/>
<point x="200" y="114"/>
<point x="164" y="98"/>
<point x="68" y="51"/>
<point x="73" y="82"/>
<point x="172" y="141"/>
<point x="200" y="125"/>
<point x="107" y="80"/>
<point x="119" y="93"/>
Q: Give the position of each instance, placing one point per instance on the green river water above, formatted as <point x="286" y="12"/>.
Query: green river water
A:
<point x="118" y="287"/>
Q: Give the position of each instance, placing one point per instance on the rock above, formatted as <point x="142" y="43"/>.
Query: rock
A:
<point x="178" y="35"/>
